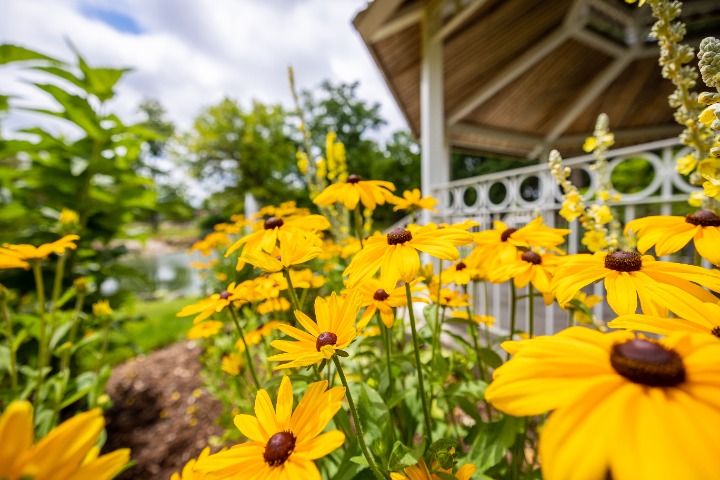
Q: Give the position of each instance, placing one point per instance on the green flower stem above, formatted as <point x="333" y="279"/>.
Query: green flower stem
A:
<point x="387" y="337"/>
<point x="698" y="259"/>
<point x="476" y="342"/>
<point x="531" y="310"/>
<point x="251" y="367"/>
<point x="358" y="426"/>
<point x="418" y="365"/>
<point x="359" y="224"/>
<point x="570" y="318"/>
<point x="292" y="294"/>
<point x="513" y="311"/>
<point x="11" y="341"/>
<point x="57" y="283"/>
<point x="40" y="289"/>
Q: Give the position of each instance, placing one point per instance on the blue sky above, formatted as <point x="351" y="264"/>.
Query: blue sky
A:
<point x="191" y="53"/>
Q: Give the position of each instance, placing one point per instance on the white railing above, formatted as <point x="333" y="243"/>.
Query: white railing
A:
<point x="517" y="196"/>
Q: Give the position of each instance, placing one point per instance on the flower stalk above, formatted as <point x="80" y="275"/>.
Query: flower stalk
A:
<point x="239" y="328"/>
<point x="418" y="365"/>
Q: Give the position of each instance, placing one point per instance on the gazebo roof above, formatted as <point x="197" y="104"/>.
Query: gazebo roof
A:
<point x="523" y="76"/>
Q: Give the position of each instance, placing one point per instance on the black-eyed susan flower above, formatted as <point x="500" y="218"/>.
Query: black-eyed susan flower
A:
<point x="377" y="299"/>
<point x="204" y="329"/>
<point x="188" y="472"/>
<point x="217" y="302"/>
<point x="25" y="252"/>
<point x="487" y="320"/>
<point x="623" y="407"/>
<point x="529" y="267"/>
<point x="500" y="245"/>
<point x="283" y="443"/>
<point x="413" y="200"/>
<point x="626" y="274"/>
<point x="233" y="363"/>
<point x="396" y="254"/>
<point x="463" y="272"/>
<point x="255" y="336"/>
<point x="692" y="314"/>
<point x="335" y="330"/>
<point x="370" y="193"/>
<point x="421" y="472"/>
<point x="266" y="232"/>
<point x="68" y="452"/>
<point x="669" y="234"/>
<point x="295" y="248"/>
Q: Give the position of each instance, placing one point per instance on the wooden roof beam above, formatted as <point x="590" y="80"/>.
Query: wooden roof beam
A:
<point x="516" y="68"/>
<point x="653" y="131"/>
<point x="598" y="42"/>
<point x="524" y="139"/>
<point x="375" y="16"/>
<point x="458" y="19"/>
<point x="579" y="104"/>
<point x="403" y="19"/>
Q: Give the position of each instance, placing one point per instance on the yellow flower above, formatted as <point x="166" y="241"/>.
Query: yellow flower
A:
<point x="479" y="319"/>
<point x="711" y="188"/>
<point x="421" y="472"/>
<point x="217" y="302"/>
<point x="188" y="471"/>
<point x="27" y="252"/>
<point x="529" y="267"/>
<point x="500" y="245"/>
<point x="295" y="248"/>
<point x="626" y="276"/>
<point x="256" y="336"/>
<point x="686" y="164"/>
<point x="605" y="141"/>
<point x="334" y="330"/>
<point x="594" y="240"/>
<point x="580" y="306"/>
<point x="623" y="407"/>
<point x="283" y="443"/>
<point x="692" y="315"/>
<point x="232" y="364"/>
<point x="463" y="272"/>
<point x="266" y="232"/>
<point x="590" y="144"/>
<point x="212" y="240"/>
<point x="448" y="297"/>
<point x="370" y="193"/>
<point x="412" y="200"/>
<point x="279" y="304"/>
<point x="696" y="198"/>
<point x="600" y="214"/>
<point x="68" y="217"/>
<point x="670" y="234"/>
<point x="10" y="261"/>
<point x="396" y="254"/>
<point x="376" y="299"/>
<point x="204" y="329"/>
<point x="102" y="308"/>
<point x="68" y="452"/>
<point x="571" y="208"/>
<point x="709" y="114"/>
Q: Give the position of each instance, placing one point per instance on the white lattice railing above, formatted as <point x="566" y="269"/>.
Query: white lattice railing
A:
<point x="517" y="196"/>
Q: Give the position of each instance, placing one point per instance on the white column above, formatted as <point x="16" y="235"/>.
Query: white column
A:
<point x="435" y="159"/>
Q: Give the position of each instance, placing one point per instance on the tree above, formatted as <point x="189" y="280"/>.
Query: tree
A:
<point x="244" y="152"/>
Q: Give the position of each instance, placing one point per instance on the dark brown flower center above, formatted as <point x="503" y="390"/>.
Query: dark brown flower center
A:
<point x="647" y="363"/>
<point x="325" y="338"/>
<point x="354" y="178"/>
<point x="622" y="261"/>
<point x="279" y="448"/>
<point x="224" y="295"/>
<point x="532" y="257"/>
<point x="273" y="222"/>
<point x="381" y="295"/>
<point x="460" y="267"/>
<point x="704" y="218"/>
<point x="716" y="331"/>
<point x="398" y="236"/>
<point x="506" y="234"/>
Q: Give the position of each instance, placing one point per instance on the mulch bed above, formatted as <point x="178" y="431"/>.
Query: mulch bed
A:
<point x="160" y="411"/>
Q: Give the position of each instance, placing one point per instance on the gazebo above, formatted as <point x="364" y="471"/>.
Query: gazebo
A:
<point x="520" y="77"/>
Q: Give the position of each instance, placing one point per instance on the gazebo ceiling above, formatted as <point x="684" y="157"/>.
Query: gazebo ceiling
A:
<point x="523" y="76"/>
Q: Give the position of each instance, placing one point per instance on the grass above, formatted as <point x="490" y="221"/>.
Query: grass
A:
<point x="158" y="328"/>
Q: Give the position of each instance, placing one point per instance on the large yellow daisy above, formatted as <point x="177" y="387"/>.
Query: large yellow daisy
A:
<point x="396" y="254"/>
<point x="266" y="232"/>
<point x="528" y="267"/>
<point x="69" y="452"/>
<point x="413" y="200"/>
<point x="295" y="248"/>
<point x="370" y="193"/>
<point x="217" y="302"/>
<point x="670" y="234"/>
<point x="624" y="408"/>
<point x="283" y="443"/>
<point x="693" y="315"/>
<point x="334" y="330"/>
<point x="626" y="275"/>
<point x="27" y="252"/>
<point x="500" y="245"/>
<point x="377" y="299"/>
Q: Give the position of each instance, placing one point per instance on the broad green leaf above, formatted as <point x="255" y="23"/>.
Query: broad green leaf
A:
<point x="76" y="110"/>
<point x="14" y="53"/>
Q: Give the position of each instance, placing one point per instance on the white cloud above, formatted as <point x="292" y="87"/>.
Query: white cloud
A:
<point x="191" y="53"/>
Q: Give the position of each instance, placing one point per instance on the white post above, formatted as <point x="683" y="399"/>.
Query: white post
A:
<point x="435" y="158"/>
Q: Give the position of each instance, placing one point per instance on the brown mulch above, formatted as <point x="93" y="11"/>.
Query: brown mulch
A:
<point x="160" y="411"/>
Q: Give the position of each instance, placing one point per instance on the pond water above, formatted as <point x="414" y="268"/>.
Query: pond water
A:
<point x="158" y="274"/>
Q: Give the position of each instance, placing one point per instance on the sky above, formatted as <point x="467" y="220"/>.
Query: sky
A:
<point x="191" y="53"/>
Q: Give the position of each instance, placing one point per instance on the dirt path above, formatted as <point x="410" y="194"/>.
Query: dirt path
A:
<point x="160" y="411"/>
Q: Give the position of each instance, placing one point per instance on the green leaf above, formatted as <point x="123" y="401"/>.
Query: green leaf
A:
<point x="444" y="451"/>
<point x="493" y="441"/>
<point x="490" y="357"/>
<point x="14" y="53"/>
<point x="403" y="456"/>
<point x="76" y="109"/>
